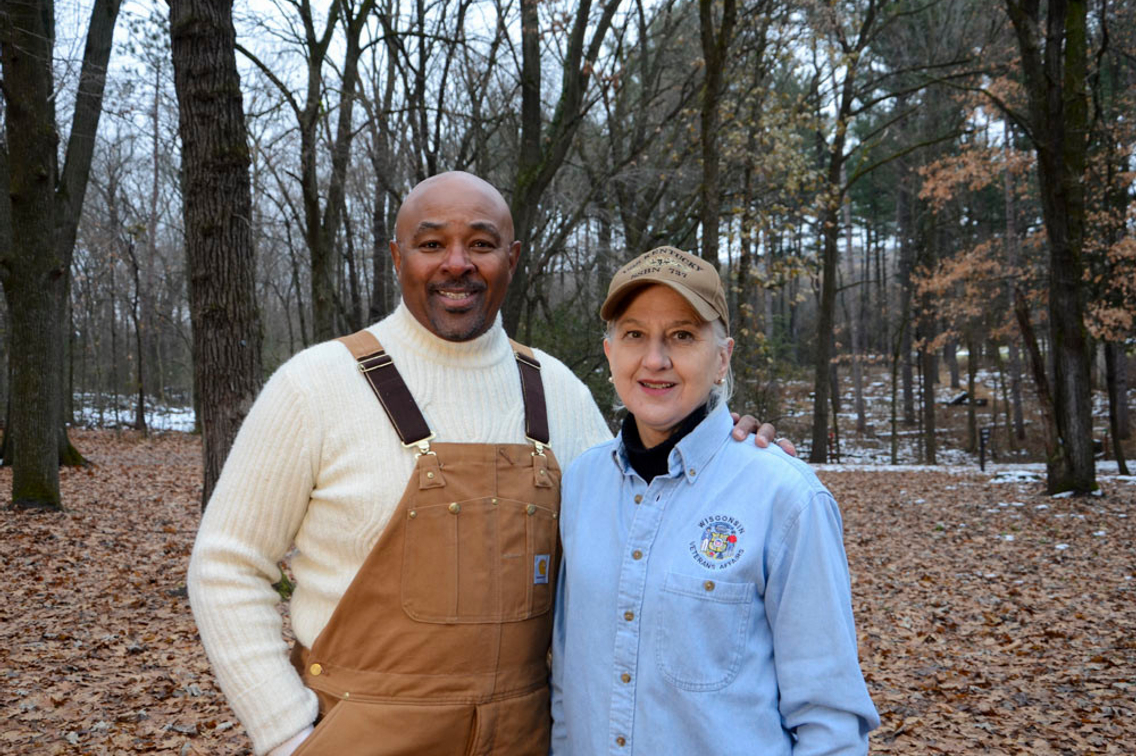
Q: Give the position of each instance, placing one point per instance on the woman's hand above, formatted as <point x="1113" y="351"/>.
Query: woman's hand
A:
<point x="765" y="434"/>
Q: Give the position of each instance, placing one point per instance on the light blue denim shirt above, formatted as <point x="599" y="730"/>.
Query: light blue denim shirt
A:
<point x="708" y="612"/>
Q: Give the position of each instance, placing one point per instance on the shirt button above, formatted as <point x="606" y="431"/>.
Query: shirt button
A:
<point x="621" y="741"/>
<point x="637" y="554"/>
<point x="530" y="509"/>
<point x="638" y="498"/>
<point x="625" y="677"/>
<point x="691" y="472"/>
<point x="455" y="507"/>
<point x="708" y="585"/>
<point x="629" y="616"/>
<point x="430" y="475"/>
<point x="316" y="670"/>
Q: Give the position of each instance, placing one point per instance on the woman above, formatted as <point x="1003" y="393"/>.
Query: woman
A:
<point x="704" y="603"/>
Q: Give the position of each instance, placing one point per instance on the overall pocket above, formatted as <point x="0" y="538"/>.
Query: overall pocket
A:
<point x="702" y="631"/>
<point x="483" y="560"/>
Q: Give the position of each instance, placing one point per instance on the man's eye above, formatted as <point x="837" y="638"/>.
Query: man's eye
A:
<point x="682" y="336"/>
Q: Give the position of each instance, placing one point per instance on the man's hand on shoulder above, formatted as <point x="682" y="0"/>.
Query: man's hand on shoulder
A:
<point x="765" y="434"/>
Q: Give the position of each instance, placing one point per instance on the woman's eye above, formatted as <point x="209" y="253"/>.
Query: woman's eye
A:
<point x="631" y="334"/>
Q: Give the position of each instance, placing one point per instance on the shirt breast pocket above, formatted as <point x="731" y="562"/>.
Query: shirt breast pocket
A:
<point x="702" y="631"/>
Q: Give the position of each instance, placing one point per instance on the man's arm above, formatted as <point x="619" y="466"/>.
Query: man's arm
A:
<point x="255" y="511"/>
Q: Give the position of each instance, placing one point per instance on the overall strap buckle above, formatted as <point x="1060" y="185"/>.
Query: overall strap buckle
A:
<point x="391" y="390"/>
<point x="532" y="390"/>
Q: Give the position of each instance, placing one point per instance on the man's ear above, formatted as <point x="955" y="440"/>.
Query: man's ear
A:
<point x="514" y="257"/>
<point x="396" y="256"/>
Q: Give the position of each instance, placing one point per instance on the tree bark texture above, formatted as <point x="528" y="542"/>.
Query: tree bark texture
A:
<point x="41" y="222"/>
<point x="1055" y="71"/>
<point x="715" y="45"/>
<point x="217" y="207"/>
<point x="1113" y="354"/>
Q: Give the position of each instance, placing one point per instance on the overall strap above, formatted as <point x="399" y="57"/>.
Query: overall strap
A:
<point x="379" y="370"/>
<point x="532" y="389"/>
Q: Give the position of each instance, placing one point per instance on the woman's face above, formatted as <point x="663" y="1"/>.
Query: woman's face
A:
<point x="664" y="360"/>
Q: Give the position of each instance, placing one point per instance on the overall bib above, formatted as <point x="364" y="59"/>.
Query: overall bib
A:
<point x="440" y="644"/>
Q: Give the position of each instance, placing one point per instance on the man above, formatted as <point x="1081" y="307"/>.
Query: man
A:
<point x="425" y="569"/>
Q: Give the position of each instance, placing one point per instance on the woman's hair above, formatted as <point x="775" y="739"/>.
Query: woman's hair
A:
<point x="720" y="393"/>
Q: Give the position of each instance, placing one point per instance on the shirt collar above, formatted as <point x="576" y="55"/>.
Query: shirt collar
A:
<point x="692" y="453"/>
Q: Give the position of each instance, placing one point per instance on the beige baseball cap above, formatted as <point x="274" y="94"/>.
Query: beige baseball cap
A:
<point x="692" y="277"/>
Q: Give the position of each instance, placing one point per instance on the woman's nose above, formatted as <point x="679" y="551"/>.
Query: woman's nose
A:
<point x="657" y="357"/>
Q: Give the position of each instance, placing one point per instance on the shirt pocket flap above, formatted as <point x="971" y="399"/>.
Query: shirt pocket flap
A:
<point x="709" y="588"/>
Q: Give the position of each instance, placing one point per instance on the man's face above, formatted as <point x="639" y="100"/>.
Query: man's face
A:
<point x="455" y="254"/>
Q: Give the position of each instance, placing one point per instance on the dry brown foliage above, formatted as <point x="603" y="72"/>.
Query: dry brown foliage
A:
<point x="971" y="642"/>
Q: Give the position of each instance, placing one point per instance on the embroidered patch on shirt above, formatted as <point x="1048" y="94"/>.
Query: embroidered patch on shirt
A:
<point x="720" y="544"/>
<point x="540" y="569"/>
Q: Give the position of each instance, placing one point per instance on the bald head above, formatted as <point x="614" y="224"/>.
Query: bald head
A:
<point x="455" y="254"/>
<point x="453" y="189"/>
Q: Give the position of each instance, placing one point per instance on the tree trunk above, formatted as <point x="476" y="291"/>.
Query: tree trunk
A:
<point x="971" y="375"/>
<point x="818" y="453"/>
<point x="217" y="207"/>
<point x="714" y="48"/>
<point x="1124" y="429"/>
<point x="542" y="152"/>
<point x="44" y="214"/>
<point x="928" y="370"/>
<point x="950" y="356"/>
<point x="1114" y="353"/>
<point x="1055" y="72"/>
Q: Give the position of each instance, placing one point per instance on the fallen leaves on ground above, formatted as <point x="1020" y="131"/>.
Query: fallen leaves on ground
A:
<point x="992" y="619"/>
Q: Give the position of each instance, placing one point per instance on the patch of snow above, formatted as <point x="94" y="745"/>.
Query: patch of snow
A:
<point x="1062" y="495"/>
<point x="1099" y="534"/>
<point x="1061" y="546"/>
<point x="1042" y="506"/>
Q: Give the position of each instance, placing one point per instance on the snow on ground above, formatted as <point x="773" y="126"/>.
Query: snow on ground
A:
<point x="158" y="417"/>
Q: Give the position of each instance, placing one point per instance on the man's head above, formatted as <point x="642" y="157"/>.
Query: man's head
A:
<point x="455" y="254"/>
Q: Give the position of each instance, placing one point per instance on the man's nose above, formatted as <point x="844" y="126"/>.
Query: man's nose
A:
<point x="457" y="260"/>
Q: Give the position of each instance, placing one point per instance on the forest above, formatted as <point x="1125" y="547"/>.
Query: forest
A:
<point x="924" y="215"/>
<point x="203" y="189"/>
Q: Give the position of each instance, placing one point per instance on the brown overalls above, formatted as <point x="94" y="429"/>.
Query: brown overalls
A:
<point x="439" y="645"/>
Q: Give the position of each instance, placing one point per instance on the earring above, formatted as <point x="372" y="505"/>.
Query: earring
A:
<point x="720" y="381"/>
<point x="611" y="379"/>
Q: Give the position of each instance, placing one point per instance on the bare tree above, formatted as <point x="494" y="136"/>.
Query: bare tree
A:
<point x="217" y="210"/>
<point x="44" y="215"/>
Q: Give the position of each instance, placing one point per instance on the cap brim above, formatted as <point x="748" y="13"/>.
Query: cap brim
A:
<point x="615" y="298"/>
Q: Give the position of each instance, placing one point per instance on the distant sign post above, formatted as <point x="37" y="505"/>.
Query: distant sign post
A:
<point x="983" y="439"/>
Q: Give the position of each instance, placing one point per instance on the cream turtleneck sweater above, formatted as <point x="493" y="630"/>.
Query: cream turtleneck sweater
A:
<point x="317" y="463"/>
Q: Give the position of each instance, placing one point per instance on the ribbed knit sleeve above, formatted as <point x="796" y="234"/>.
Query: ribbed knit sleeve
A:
<point x="248" y="525"/>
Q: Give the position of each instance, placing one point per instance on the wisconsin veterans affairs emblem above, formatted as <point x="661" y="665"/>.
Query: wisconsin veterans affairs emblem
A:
<point x="720" y="545"/>
<point x="540" y="569"/>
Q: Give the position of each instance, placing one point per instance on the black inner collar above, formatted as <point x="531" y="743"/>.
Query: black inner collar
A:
<point x="651" y="462"/>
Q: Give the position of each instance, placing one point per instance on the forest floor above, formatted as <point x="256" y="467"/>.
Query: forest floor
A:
<point x="992" y="619"/>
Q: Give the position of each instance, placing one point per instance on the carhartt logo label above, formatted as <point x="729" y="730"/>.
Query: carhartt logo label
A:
<point x="540" y="569"/>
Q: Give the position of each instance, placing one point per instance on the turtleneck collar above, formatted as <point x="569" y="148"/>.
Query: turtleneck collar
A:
<point x="655" y="461"/>
<point x="483" y="351"/>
